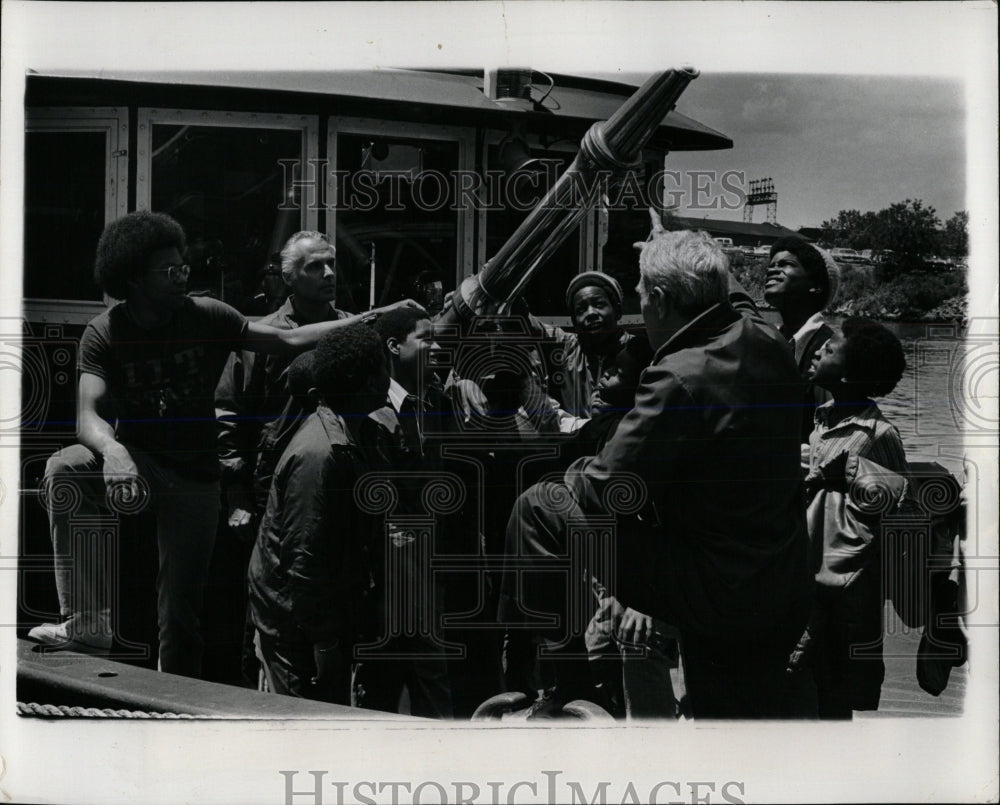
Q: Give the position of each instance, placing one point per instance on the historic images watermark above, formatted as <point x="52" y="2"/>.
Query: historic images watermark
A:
<point x="313" y="788"/>
<point x="317" y="187"/>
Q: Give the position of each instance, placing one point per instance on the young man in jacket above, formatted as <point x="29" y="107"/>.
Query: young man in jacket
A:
<point x="801" y="282"/>
<point x="311" y="567"/>
<point x="415" y="659"/>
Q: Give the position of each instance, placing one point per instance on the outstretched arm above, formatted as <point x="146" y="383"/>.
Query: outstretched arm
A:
<point x="271" y="340"/>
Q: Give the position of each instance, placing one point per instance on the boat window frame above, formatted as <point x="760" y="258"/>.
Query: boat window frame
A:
<point x="113" y="122"/>
<point x="148" y="116"/>
<point x="464" y="136"/>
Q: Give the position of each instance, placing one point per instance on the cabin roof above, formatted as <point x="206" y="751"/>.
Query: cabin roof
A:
<point x="572" y="98"/>
<point x="720" y="226"/>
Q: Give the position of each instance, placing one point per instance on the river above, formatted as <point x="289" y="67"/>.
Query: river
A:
<point x="928" y="406"/>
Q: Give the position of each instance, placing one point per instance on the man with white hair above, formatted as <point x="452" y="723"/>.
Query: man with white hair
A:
<point x="715" y="540"/>
<point x="252" y="392"/>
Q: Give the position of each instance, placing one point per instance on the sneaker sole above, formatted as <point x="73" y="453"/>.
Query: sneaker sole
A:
<point x="78" y="648"/>
<point x="69" y="645"/>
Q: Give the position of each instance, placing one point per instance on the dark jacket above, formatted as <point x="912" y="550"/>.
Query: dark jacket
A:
<point x="310" y="569"/>
<point x="716" y="453"/>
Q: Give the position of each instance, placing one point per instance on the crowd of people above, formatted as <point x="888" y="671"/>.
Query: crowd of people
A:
<point x="679" y="515"/>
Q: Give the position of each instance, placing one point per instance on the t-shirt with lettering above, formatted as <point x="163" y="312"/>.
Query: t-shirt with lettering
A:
<point x="161" y="381"/>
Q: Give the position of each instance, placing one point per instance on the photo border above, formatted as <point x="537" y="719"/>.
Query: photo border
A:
<point x="899" y="759"/>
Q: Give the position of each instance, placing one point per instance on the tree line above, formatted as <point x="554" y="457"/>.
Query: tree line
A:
<point x="910" y="230"/>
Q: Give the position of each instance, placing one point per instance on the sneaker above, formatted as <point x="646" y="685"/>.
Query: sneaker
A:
<point x="546" y="707"/>
<point x="70" y="636"/>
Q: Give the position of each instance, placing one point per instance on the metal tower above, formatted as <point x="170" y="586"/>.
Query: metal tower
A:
<point x="761" y="192"/>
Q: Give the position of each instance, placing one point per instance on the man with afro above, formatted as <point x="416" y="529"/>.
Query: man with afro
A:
<point x="146" y="427"/>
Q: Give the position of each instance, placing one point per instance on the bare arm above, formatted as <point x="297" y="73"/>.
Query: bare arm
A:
<point x="271" y="340"/>
<point x="94" y="431"/>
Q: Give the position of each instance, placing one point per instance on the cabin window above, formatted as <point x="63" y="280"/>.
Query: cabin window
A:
<point x="75" y="182"/>
<point x="514" y="185"/>
<point x="395" y="205"/>
<point x="234" y="182"/>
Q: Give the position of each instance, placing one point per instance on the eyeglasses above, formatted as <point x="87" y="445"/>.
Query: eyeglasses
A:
<point x="176" y="272"/>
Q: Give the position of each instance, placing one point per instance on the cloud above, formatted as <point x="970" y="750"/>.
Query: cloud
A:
<point x="765" y="112"/>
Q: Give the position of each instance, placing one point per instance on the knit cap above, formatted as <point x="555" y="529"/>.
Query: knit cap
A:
<point x="832" y="275"/>
<point x="598" y="278"/>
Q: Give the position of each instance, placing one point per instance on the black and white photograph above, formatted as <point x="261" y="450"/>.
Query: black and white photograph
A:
<point x="499" y="402"/>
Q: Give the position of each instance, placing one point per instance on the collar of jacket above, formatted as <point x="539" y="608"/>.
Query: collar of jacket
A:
<point x="336" y="429"/>
<point x="865" y="416"/>
<point x="613" y="347"/>
<point x="287" y="312"/>
<point x="701" y="329"/>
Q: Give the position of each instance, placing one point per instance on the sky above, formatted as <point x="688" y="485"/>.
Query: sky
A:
<point x="834" y="142"/>
<point x="843" y="105"/>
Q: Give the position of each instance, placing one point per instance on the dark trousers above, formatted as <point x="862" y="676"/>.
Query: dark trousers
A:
<point x="406" y="650"/>
<point x="737" y="679"/>
<point x="418" y="666"/>
<point x="725" y="678"/>
<point x="288" y="668"/>
<point x="847" y="661"/>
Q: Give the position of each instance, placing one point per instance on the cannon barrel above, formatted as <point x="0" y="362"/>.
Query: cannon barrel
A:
<point x="608" y="149"/>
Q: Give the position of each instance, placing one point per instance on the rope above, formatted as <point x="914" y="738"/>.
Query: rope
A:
<point x="63" y="711"/>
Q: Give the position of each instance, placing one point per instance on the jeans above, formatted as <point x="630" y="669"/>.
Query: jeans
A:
<point x="639" y="674"/>
<point x="186" y="514"/>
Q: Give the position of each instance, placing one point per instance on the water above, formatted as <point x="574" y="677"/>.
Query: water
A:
<point x="931" y="404"/>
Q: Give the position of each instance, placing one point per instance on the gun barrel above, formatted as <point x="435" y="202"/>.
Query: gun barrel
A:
<point x="608" y="149"/>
